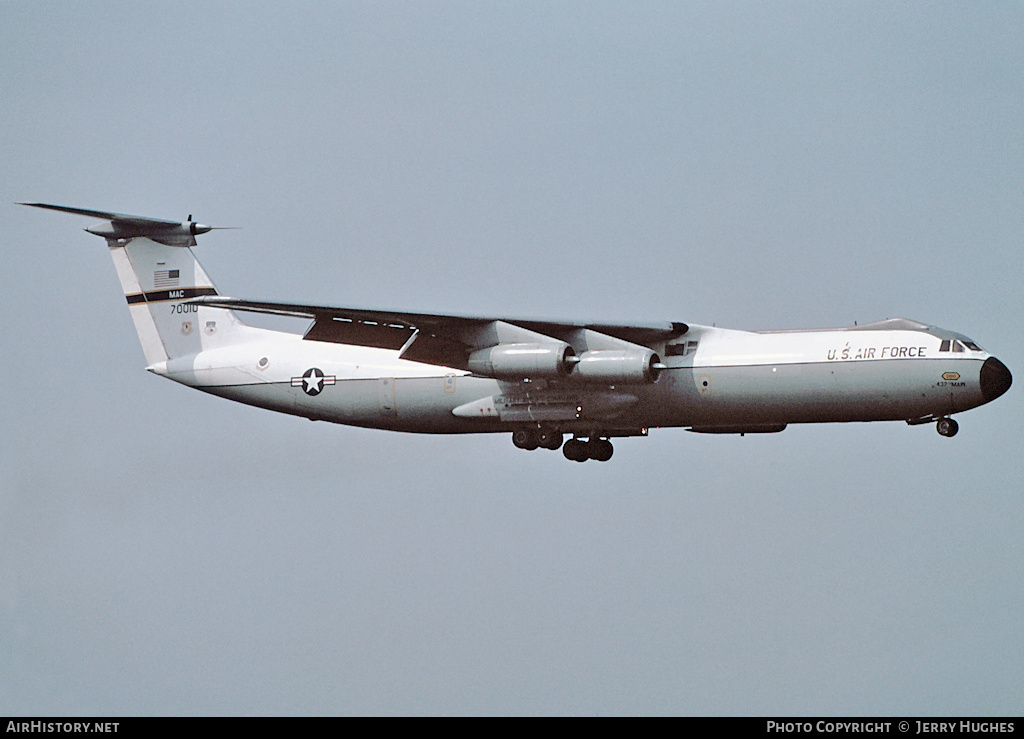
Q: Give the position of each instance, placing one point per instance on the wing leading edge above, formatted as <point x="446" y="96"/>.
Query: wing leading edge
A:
<point x="449" y="340"/>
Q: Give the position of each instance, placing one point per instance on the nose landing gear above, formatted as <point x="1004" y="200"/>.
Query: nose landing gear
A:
<point x="947" y="427"/>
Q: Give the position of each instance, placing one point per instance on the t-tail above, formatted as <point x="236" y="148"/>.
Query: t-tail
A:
<point x="159" y="274"/>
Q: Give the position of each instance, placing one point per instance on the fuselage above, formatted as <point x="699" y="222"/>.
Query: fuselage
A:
<point x="716" y="380"/>
<point x="538" y="379"/>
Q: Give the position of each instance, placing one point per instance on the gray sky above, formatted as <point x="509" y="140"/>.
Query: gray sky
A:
<point x="756" y="165"/>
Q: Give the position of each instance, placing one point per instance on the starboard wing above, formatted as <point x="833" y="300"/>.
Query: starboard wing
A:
<point x="443" y="339"/>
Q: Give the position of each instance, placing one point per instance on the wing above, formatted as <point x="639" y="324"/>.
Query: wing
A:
<point x="450" y="340"/>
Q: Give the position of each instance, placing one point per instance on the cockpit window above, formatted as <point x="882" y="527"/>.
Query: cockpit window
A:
<point x="956" y="345"/>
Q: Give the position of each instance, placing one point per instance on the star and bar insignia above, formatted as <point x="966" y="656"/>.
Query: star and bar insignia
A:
<point x="313" y="381"/>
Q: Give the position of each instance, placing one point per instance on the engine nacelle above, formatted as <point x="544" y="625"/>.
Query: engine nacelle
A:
<point x="549" y="359"/>
<point x="618" y="365"/>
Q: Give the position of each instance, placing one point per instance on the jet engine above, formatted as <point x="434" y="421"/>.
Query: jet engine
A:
<point x="618" y="365"/>
<point x="550" y="359"/>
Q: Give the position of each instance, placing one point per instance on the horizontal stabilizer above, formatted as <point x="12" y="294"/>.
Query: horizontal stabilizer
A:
<point x="122" y="226"/>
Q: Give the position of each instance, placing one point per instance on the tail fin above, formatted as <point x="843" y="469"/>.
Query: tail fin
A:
<point x="159" y="273"/>
<point x="157" y="281"/>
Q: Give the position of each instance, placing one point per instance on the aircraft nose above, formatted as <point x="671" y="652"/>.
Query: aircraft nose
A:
<point x="995" y="379"/>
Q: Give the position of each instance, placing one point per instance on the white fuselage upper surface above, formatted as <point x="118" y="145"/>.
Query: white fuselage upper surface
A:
<point x="721" y="380"/>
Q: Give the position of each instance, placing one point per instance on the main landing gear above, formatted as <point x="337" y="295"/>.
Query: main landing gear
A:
<point x="576" y="450"/>
<point x="531" y="439"/>
<point x="947" y="427"/>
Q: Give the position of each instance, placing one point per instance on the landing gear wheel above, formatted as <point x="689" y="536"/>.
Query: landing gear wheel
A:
<point x="947" y="427"/>
<point x="550" y="440"/>
<point x="526" y="439"/>
<point x="600" y="449"/>
<point x="575" y="450"/>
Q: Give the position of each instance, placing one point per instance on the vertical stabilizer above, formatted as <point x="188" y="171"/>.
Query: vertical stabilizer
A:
<point x="159" y="275"/>
<point x="158" y="280"/>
